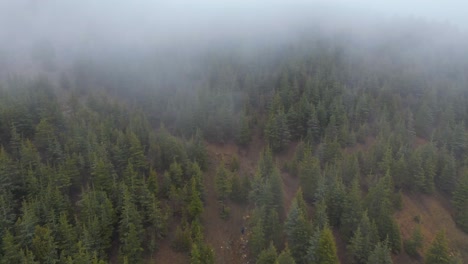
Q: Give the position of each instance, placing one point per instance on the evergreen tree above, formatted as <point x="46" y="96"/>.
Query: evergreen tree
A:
<point x="223" y="183"/>
<point x="257" y="241"/>
<point x="195" y="206"/>
<point x="285" y="257"/>
<point x="438" y="251"/>
<point x="10" y="249"/>
<point x="312" y="251"/>
<point x="44" y="246"/>
<point x="326" y="251"/>
<point x="309" y="173"/>
<point x="352" y="210"/>
<point x="297" y="229"/>
<point x="267" y="256"/>
<point x="363" y="240"/>
<point x="130" y="230"/>
<point x="380" y="255"/>
<point x="415" y="243"/>
<point x="460" y="202"/>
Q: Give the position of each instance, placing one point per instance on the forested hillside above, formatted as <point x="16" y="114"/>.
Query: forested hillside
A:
<point x="330" y="148"/>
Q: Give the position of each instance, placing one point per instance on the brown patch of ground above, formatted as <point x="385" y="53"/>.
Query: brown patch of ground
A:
<point x="361" y="147"/>
<point x="165" y="254"/>
<point x="419" y="141"/>
<point x="340" y="246"/>
<point x="225" y="235"/>
<point x="435" y="214"/>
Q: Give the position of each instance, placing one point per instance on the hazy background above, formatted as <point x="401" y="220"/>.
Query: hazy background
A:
<point x="93" y="28"/>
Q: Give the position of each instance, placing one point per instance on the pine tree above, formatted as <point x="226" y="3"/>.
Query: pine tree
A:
<point x="197" y="150"/>
<point x="285" y="257"/>
<point x="363" y="240"/>
<point x="44" y="246"/>
<point x="326" y="251"/>
<point x="297" y="229"/>
<point x="130" y="229"/>
<point x="15" y="143"/>
<point x="136" y="152"/>
<point x="438" y="251"/>
<point x="97" y="217"/>
<point x="257" y="241"/>
<point x="312" y="251"/>
<point x="195" y="255"/>
<point x="268" y="255"/>
<point x="321" y="217"/>
<point x="380" y="255"/>
<point x="10" y="249"/>
<point x="460" y="202"/>
<point x="275" y="189"/>
<point x="446" y="178"/>
<point x="223" y="183"/>
<point x="66" y="236"/>
<point x="415" y="243"/>
<point x="309" y="173"/>
<point x="352" y="210"/>
<point x="195" y="206"/>
<point x="27" y="257"/>
<point x="335" y="201"/>
<point x="313" y="127"/>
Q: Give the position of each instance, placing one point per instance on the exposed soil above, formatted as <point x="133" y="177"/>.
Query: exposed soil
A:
<point x="435" y="214"/>
<point x="230" y="245"/>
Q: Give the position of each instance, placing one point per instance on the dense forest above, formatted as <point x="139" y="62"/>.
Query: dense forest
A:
<point x="117" y="160"/>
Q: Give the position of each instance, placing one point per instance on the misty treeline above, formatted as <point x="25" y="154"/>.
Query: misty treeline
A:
<point x="105" y="160"/>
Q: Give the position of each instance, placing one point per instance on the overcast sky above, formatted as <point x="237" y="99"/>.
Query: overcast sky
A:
<point x="74" y="24"/>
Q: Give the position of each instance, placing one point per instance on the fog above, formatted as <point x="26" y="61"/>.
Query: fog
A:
<point x="70" y="30"/>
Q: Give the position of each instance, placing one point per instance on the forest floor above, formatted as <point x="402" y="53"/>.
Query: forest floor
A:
<point x="435" y="214"/>
<point x="230" y="246"/>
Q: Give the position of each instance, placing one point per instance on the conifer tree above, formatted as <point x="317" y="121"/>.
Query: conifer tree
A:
<point x="285" y="257"/>
<point x="309" y="173"/>
<point x="43" y="245"/>
<point x="268" y="255"/>
<point x="10" y="249"/>
<point x="438" y="252"/>
<point x="352" y="210"/>
<point x="223" y="183"/>
<point x="380" y="255"/>
<point x="460" y="202"/>
<point x="297" y="229"/>
<point x="326" y="251"/>
<point x="195" y="206"/>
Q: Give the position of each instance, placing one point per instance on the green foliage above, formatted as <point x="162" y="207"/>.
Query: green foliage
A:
<point x="195" y="206"/>
<point x="363" y="240"/>
<point x="182" y="241"/>
<point x="298" y="229"/>
<point x="267" y="256"/>
<point x="326" y="251"/>
<point x="240" y="189"/>
<point x="285" y="257"/>
<point x="43" y="245"/>
<point x="352" y="210"/>
<point x="460" y="202"/>
<point x="103" y="160"/>
<point x="257" y="241"/>
<point x="10" y="249"/>
<point x="276" y="131"/>
<point x="415" y="243"/>
<point x="380" y="255"/>
<point x="438" y="252"/>
<point x="309" y="173"/>
<point x="223" y="182"/>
